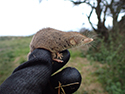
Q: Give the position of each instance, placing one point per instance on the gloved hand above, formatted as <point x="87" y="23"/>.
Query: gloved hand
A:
<point x="35" y="76"/>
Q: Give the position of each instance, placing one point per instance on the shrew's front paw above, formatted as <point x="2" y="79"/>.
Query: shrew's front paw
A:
<point x="59" y="55"/>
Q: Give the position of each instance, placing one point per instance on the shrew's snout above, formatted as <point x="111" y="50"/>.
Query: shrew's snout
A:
<point x="88" y="40"/>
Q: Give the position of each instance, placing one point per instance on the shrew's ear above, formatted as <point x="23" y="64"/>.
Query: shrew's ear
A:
<point x="72" y="41"/>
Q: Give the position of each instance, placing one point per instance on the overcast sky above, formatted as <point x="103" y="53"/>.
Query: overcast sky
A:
<point x="26" y="17"/>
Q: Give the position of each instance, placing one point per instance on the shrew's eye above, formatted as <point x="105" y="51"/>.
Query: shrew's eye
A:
<point x="82" y="39"/>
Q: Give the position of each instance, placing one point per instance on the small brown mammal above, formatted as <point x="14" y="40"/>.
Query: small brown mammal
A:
<point x="56" y="41"/>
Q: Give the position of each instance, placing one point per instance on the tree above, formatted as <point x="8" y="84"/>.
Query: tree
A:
<point x="116" y="6"/>
<point x="105" y="8"/>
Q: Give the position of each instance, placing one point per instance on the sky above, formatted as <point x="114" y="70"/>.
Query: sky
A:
<point x="26" y="17"/>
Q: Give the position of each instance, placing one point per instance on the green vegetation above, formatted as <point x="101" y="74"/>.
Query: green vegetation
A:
<point x="112" y="76"/>
<point x="13" y="51"/>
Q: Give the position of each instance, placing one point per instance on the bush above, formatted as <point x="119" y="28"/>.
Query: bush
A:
<point x="112" y="54"/>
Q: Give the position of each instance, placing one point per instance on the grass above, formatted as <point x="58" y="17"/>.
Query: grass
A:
<point x="14" y="50"/>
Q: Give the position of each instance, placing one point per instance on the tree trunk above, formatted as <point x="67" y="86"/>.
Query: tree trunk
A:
<point x="101" y="28"/>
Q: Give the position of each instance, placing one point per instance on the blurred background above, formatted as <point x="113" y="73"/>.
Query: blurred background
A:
<point x="101" y="63"/>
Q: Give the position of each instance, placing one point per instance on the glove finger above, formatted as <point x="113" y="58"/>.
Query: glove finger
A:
<point x="69" y="78"/>
<point x="65" y="58"/>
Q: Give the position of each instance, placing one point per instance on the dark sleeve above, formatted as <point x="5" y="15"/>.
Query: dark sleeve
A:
<point x="31" y="77"/>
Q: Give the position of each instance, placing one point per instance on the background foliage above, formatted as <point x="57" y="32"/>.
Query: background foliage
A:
<point x="112" y="76"/>
<point x="13" y="51"/>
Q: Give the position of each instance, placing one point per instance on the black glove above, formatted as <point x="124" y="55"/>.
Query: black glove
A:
<point x="34" y="76"/>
